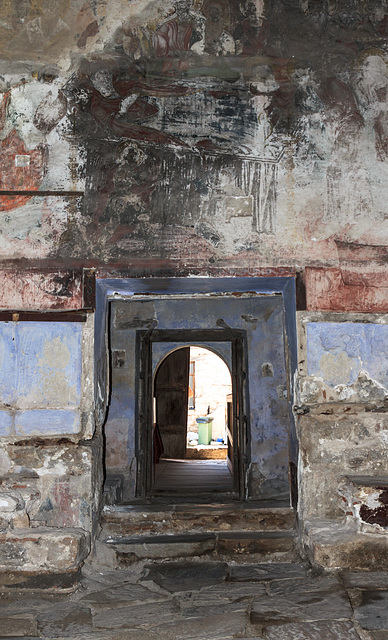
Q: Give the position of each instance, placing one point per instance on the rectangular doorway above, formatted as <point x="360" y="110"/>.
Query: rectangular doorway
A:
<point x="216" y="312"/>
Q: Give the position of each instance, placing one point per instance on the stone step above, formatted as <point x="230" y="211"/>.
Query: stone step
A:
<point x="267" y="546"/>
<point x="341" y="545"/>
<point x="127" y="520"/>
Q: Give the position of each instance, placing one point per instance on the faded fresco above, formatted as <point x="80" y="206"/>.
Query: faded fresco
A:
<point x="193" y="132"/>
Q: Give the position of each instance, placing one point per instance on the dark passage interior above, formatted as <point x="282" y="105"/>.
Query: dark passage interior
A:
<point x="192" y="437"/>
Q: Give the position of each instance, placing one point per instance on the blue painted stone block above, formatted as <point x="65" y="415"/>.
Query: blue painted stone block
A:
<point x="40" y="377"/>
<point x="5" y="423"/>
<point x="47" y="422"/>
<point x="338" y="351"/>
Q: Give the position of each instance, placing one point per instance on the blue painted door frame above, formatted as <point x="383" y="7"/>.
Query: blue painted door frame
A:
<point x="190" y="288"/>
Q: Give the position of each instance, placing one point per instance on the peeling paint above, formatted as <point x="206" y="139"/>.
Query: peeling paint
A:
<point x="366" y="502"/>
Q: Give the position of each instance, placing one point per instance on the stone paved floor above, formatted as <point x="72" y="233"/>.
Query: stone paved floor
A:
<point x="203" y="600"/>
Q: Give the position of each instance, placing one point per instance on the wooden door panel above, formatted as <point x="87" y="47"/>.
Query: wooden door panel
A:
<point x="229" y="432"/>
<point x="171" y="393"/>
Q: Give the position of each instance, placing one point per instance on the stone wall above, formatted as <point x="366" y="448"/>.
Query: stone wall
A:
<point x="341" y="406"/>
<point x="50" y="458"/>
<point x="186" y="138"/>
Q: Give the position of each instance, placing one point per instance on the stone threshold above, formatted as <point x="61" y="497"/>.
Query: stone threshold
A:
<point x="199" y="537"/>
<point x="158" y="519"/>
<point x="195" y="507"/>
<point x="269" y="545"/>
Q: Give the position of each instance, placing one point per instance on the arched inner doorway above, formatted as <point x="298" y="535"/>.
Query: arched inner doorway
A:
<point x="192" y="423"/>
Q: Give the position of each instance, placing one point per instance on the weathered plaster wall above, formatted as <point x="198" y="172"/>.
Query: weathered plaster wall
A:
<point x="341" y="407"/>
<point x="192" y="133"/>
<point x="53" y="484"/>
<point x="212" y="384"/>
<point x="263" y="320"/>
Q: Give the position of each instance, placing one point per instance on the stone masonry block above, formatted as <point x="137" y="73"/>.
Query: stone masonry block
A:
<point x="43" y="550"/>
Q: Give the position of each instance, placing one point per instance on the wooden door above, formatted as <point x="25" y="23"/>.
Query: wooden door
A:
<point x="239" y="424"/>
<point x="171" y="394"/>
<point x="229" y="432"/>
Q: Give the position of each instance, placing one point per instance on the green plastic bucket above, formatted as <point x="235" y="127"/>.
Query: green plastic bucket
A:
<point x="205" y="427"/>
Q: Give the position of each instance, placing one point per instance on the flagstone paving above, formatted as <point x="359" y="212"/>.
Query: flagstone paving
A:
<point x="203" y="600"/>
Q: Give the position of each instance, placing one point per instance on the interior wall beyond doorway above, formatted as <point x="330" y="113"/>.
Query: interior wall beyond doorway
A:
<point x="211" y="385"/>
